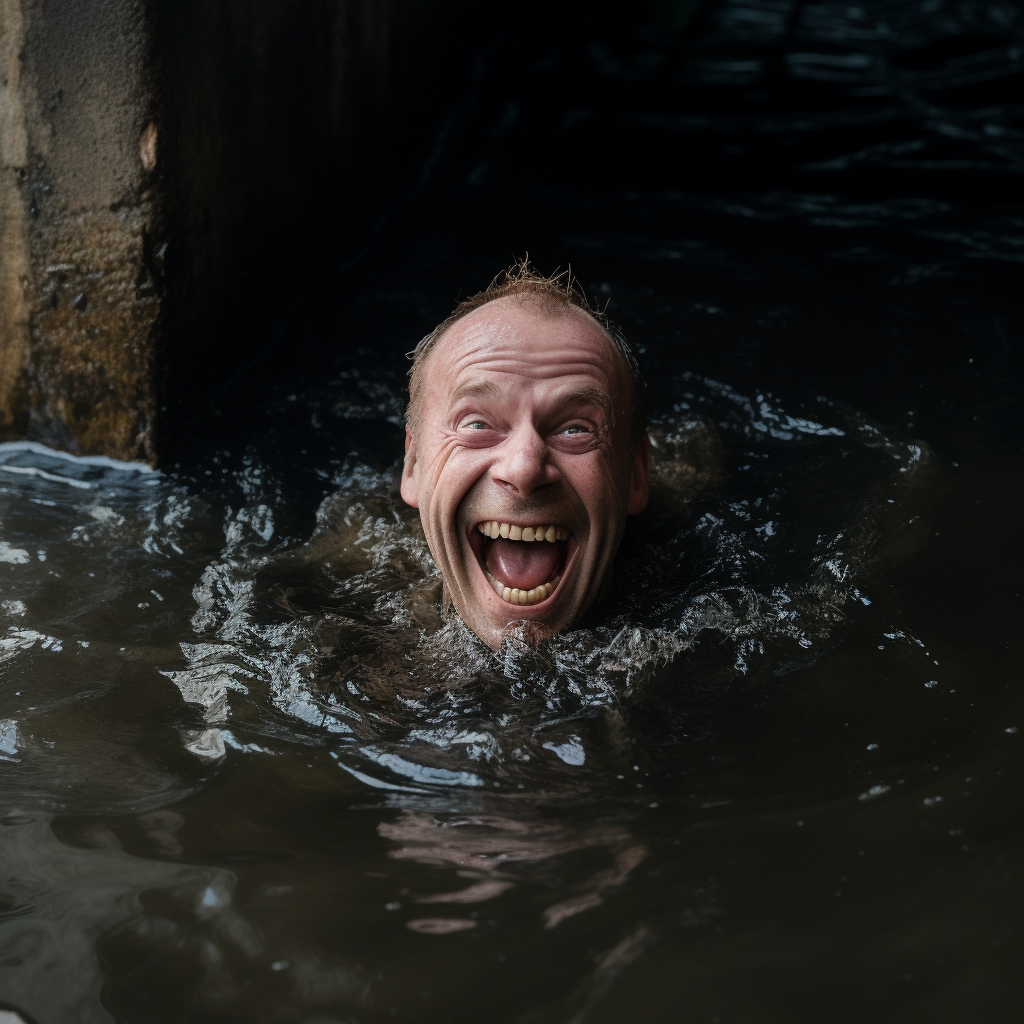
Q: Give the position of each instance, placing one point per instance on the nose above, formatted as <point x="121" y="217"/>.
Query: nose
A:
<point x="522" y="466"/>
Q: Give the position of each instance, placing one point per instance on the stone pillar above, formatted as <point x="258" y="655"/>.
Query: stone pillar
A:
<point x="13" y="218"/>
<point x="77" y="306"/>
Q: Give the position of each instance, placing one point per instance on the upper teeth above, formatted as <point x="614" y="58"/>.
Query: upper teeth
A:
<point x="506" y="530"/>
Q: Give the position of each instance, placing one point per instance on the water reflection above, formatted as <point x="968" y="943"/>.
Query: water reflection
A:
<point x="58" y="895"/>
<point x="235" y="943"/>
<point x="486" y="849"/>
<point x="252" y="772"/>
<point x="510" y="784"/>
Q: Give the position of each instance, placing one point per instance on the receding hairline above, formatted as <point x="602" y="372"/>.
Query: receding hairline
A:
<point x="551" y="297"/>
<point x="537" y="303"/>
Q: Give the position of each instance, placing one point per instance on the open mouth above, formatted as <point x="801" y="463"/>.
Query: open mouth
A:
<point x="523" y="564"/>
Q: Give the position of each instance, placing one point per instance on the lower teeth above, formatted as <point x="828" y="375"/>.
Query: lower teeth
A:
<point x="513" y="595"/>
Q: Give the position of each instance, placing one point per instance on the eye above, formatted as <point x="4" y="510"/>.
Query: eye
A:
<point x="475" y="432"/>
<point x="574" y="437"/>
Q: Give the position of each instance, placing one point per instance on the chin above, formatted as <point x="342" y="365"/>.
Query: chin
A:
<point x="494" y="632"/>
<point x="493" y="620"/>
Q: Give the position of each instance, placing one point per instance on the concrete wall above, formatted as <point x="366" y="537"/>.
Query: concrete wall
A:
<point x="171" y="170"/>
<point x="76" y="313"/>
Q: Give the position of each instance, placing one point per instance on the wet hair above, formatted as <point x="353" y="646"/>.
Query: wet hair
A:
<point x="555" y="295"/>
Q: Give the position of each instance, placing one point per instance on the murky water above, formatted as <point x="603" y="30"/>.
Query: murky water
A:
<point x="251" y="773"/>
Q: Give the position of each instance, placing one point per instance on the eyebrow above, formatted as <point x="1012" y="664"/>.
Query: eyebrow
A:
<point x="475" y="389"/>
<point x="589" y="396"/>
<point x="582" y="397"/>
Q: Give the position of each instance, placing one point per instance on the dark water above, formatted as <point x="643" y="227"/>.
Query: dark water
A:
<point x="250" y="773"/>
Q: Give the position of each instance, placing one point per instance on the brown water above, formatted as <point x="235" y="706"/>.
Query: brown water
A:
<point x="250" y="774"/>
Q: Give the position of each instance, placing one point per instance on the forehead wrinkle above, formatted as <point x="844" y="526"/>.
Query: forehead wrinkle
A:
<point x="517" y="358"/>
<point x="563" y="391"/>
<point x="483" y="344"/>
<point x="503" y="374"/>
<point x="564" y="394"/>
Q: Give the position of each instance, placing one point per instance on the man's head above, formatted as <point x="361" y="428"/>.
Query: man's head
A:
<point x="525" y="452"/>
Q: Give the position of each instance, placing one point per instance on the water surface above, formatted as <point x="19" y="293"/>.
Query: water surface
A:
<point x="252" y="773"/>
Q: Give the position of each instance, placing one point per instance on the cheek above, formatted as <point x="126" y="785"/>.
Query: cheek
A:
<point x="436" y="459"/>
<point x="452" y="473"/>
<point x="600" y="486"/>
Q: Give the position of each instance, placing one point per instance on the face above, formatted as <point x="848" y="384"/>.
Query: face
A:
<point x="521" y="465"/>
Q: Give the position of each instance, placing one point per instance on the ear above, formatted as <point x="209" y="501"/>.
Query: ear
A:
<point x="639" y="475"/>
<point x="411" y="472"/>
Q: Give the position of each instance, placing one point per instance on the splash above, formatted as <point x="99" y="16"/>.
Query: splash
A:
<point x="765" y="515"/>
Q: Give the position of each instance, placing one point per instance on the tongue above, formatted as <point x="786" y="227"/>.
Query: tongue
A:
<point x="523" y="564"/>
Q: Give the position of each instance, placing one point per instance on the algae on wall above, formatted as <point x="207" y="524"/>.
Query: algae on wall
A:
<point x="78" y="311"/>
<point x="13" y="221"/>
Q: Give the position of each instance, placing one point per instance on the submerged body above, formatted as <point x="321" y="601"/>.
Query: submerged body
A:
<point x="522" y="462"/>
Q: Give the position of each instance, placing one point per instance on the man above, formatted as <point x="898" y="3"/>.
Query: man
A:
<point x="525" y="451"/>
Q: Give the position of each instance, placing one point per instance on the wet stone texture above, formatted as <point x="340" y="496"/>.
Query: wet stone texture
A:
<point x="90" y="364"/>
<point x="79" y="309"/>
